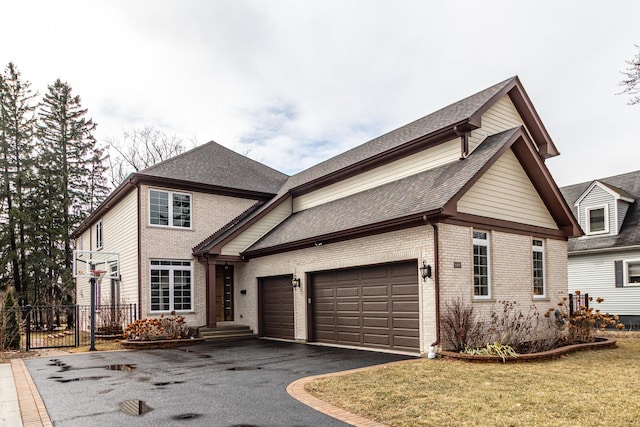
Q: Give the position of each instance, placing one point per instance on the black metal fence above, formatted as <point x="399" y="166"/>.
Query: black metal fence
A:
<point x="70" y="325"/>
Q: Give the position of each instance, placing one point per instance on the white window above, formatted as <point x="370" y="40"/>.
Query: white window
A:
<point x="171" y="285"/>
<point x="539" y="288"/>
<point x="99" y="234"/>
<point x="169" y="209"/>
<point x="481" y="265"/>
<point x="598" y="219"/>
<point x="632" y="272"/>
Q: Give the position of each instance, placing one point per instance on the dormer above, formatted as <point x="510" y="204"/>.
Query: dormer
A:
<point x="601" y="209"/>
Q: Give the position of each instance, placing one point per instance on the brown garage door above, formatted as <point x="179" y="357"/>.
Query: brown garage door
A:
<point x="374" y="306"/>
<point x="276" y="307"/>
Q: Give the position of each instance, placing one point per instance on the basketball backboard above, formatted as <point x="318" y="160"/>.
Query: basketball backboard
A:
<point x="86" y="262"/>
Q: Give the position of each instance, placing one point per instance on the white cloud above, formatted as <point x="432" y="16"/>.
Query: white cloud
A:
<point x="295" y="82"/>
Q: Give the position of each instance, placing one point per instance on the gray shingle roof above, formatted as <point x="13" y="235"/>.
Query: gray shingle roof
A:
<point x="213" y="164"/>
<point x="441" y="119"/>
<point x="424" y="192"/>
<point x="628" y="185"/>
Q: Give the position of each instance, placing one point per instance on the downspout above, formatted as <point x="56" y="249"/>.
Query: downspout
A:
<point x="139" y="230"/>
<point x="464" y="142"/>
<point x="436" y="281"/>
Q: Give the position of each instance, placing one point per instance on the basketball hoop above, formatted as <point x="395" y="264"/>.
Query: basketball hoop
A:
<point x="98" y="274"/>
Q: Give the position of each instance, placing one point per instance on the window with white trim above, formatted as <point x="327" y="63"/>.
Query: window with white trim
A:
<point x="539" y="288"/>
<point x="171" y="285"/>
<point x="632" y="272"/>
<point x="597" y="219"/>
<point x="99" y="234"/>
<point x="169" y="209"/>
<point x="481" y="265"/>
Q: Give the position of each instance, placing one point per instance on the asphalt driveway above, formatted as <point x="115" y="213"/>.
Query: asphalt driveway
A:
<point x="234" y="384"/>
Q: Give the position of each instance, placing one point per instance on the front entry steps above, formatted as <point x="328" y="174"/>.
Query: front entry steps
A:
<point x="226" y="333"/>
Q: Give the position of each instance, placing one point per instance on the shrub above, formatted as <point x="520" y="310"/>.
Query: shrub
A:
<point x="524" y="332"/>
<point x="173" y="327"/>
<point x="582" y="324"/>
<point x="459" y="325"/>
<point x="9" y="324"/>
<point x="495" y="349"/>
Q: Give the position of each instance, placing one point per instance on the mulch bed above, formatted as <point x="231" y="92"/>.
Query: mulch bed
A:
<point x="598" y="344"/>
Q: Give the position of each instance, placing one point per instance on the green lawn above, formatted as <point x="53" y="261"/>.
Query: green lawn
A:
<point x="596" y="387"/>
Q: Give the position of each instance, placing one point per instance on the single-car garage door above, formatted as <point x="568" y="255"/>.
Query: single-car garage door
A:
<point x="374" y="306"/>
<point x="276" y="307"/>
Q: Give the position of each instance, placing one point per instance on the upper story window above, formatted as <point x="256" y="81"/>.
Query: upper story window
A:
<point x="99" y="234"/>
<point x="481" y="265"/>
<point x="539" y="289"/>
<point x="598" y="219"/>
<point x="170" y="209"/>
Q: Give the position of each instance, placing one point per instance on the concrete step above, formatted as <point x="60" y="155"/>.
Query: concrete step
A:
<point x="226" y="333"/>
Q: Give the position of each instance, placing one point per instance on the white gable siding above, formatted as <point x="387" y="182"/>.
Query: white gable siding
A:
<point x="505" y="192"/>
<point x="595" y="274"/>
<point x="119" y="235"/>
<point x="258" y="229"/>
<point x="402" y="168"/>
<point x="500" y="117"/>
<point x="598" y="197"/>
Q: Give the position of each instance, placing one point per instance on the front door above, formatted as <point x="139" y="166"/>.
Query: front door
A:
<point x="224" y="293"/>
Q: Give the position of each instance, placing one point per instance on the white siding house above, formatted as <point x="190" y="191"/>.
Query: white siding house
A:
<point x="605" y="262"/>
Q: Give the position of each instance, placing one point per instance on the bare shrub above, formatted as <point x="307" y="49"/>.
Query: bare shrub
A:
<point x="459" y="325"/>
<point x="173" y="327"/>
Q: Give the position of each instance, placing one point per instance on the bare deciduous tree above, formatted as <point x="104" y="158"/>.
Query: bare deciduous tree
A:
<point x="631" y="81"/>
<point x="140" y="149"/>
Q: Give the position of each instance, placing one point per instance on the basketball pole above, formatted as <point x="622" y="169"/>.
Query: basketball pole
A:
<point x="92" y="345"/>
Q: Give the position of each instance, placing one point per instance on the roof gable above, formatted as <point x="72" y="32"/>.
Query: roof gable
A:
<point x="615" y="192"/>
<point x="628" y="187"/>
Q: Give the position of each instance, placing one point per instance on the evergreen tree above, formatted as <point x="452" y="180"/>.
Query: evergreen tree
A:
<point x="10" y="323"/>
<point x="76" y="167"/>
<point x="17" y="125"/>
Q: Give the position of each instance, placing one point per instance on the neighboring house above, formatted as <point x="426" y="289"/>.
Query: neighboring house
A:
<point x="605" y="262"/>
<point x="336" y="254"/>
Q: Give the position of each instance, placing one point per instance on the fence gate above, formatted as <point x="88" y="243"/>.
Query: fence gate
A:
<point x="48" y="326"/>
<point x="69" y="325"/>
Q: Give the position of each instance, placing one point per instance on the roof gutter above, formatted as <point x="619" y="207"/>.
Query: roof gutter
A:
<point x="464" y="141"/>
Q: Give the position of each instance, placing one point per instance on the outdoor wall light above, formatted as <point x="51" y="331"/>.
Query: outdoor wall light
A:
<point x="425" y="271"/>
<point x="295" y="282"/>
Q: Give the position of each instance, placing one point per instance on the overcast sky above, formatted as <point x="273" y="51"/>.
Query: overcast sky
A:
<point x="293" y="83"/>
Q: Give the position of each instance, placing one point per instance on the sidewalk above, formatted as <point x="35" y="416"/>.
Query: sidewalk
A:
<point x="9" y="407"/>
<point x="20" y="401"/>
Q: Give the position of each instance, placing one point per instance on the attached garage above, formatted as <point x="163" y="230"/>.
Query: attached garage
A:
<point x="276" y="307"/>
<point x="374" y="306"/>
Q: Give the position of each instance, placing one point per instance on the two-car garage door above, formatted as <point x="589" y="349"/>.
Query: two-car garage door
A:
<point x="374" y="306"/>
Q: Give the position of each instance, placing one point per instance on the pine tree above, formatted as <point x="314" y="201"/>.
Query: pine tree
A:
<point x="17" y="124"/>
<point x="76" y="168"/>
<point x="10" y="323"/>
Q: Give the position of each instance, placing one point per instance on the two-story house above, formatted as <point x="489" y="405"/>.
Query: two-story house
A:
<point x="605" y="262"/>
<point x="361" y="250"/>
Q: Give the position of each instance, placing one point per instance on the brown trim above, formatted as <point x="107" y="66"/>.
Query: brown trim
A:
<point x="309" y="303"/>
<point x="116" y="195"/>
<point x="436" y="280"/>
<point x="469" y="220"/>
<point x="527" y="111"/>
<point x="215" y="250"/>
<point x="210" y="284"/>
<point x="199" y="187"/>
<point x="139" y="230"/>
<point x="410" y="221"/>
<point x="548" y="190"/>
<point x="540" y="177"/>
<point x="200" y="248"/>
<point x="406" y="149"/>
<point x="450" y="208"/>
